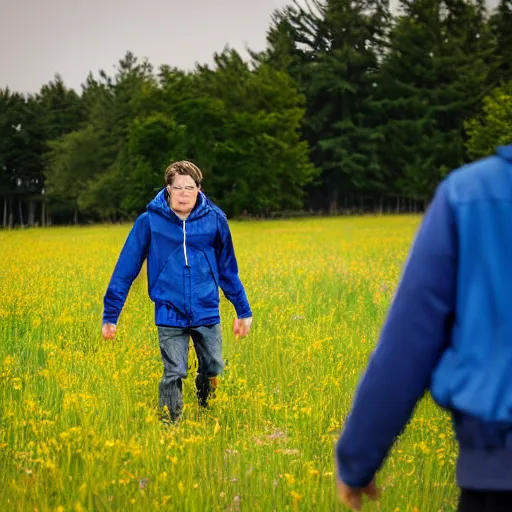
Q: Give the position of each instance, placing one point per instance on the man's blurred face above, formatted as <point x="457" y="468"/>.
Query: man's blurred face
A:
<point x="183" y="193"/>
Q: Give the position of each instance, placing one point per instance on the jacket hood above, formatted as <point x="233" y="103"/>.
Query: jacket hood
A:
<point x="160" y="205"/>
<point x="505" y="152"/>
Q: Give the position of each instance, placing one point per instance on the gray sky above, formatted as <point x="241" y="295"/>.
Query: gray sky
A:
<point x="39" y="38"/>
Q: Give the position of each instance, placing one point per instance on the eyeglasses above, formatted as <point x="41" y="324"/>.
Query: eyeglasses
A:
<point x="188" y="188"/>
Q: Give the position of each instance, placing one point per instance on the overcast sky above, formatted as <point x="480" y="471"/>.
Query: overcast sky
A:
<point x="39" y="38"/>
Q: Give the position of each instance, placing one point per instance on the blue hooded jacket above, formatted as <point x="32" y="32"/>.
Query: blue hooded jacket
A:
<point x="449" y="330"/>
<point x="187" y="261"/>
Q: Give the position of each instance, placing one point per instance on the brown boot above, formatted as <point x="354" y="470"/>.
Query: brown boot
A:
<point x="205" y="388"/>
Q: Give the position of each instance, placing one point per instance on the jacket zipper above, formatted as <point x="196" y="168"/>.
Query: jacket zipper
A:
<point x="188" y="306"/>
<point x="185" y="243"/>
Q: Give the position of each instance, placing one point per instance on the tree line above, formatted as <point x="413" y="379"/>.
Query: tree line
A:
<point x="348" y="100"/>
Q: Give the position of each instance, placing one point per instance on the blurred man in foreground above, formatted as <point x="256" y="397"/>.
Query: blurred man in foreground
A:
<point x="449" y="330"/>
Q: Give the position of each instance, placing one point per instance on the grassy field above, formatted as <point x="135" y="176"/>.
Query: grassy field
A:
<point x="78" y="423"/>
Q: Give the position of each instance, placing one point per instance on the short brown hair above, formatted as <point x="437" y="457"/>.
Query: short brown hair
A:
<point x="184" y="168"/>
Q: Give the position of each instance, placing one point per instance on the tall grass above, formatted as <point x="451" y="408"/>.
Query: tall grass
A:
<point x="78" y="423"/>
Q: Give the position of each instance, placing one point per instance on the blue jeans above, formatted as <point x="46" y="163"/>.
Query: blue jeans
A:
<point x="174" y="343"/>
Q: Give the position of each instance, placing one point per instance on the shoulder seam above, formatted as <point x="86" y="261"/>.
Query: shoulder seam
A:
<point x="218" y="211"/>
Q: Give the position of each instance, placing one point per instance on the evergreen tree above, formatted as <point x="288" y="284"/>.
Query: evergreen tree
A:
<point x="493" y="126"/>
<point x="501" y="23"/>
<point x="334" y="57"/>
<point x="432" y="80"/>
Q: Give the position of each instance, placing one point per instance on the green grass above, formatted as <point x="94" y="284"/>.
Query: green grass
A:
<point x="78" y="423"/>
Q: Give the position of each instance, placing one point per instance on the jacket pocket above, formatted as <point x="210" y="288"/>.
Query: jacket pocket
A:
<point x="212" y="264"/>
<point x="206" y="287"/>
<point x="169" y="286"/>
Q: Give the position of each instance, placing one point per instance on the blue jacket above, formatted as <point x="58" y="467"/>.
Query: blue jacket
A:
<point x="186" y="263"/>
<point x="449" y="330"/>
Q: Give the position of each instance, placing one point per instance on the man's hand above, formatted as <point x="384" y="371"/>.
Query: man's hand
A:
<point x="108" y="331"/>
<point x="353" y="497"/>
<point x="242" y="326"/>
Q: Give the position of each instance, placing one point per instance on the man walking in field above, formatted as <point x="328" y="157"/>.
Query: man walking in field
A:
<point x="449" y="330"/>
<point x="187" y="243"/>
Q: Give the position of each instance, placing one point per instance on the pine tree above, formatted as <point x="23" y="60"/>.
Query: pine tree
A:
<point x="432" y="80"/>
<point x="334" y="59"/>
<point x="501" y="24"/>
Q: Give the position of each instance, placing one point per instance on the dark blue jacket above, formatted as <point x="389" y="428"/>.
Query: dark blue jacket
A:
<point x="449" y="330"/>
<point x="186" y="263"/>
